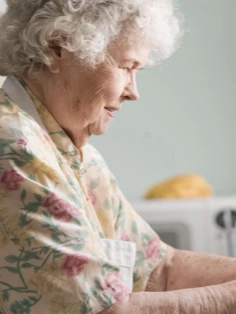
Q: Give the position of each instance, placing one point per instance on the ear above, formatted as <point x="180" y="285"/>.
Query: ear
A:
<point x="54" y="52"/>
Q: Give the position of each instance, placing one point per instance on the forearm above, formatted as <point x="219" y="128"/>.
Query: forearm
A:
<point x="185" y="269"/>
<point x="218" y="299"/>
<point x="190" y="270"/>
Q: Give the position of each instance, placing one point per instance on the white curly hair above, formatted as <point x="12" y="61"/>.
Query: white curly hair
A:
<point x="85" y="27"/>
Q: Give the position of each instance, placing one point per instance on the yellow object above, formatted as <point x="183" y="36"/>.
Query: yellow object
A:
<point x="184" y="186"/>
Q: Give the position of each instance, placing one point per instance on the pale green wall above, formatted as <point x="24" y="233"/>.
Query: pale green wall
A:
<point x="2" y="6"/>
<point x="185" y="119"/>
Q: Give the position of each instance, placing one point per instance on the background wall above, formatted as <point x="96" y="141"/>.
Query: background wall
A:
<point x="185" y="119"/>
<point x="2" y="6"/>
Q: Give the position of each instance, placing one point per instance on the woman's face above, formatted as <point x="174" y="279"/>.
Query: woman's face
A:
<point x="85" y="100"/>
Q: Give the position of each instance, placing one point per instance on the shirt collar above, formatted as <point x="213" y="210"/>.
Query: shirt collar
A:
<point x="62" y="141"/>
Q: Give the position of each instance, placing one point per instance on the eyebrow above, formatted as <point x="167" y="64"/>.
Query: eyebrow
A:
<point x="136" y="63"/>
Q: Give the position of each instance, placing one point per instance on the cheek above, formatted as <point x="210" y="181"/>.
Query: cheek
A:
<point x="108" y="92"/>
<point x="115" y="86"/>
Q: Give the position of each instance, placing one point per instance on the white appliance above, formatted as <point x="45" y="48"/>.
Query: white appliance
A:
<point x="206" y="225"/>
<point x="2" y="78"/>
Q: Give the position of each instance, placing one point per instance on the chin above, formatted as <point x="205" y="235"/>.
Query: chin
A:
<point x="99" y="131"/>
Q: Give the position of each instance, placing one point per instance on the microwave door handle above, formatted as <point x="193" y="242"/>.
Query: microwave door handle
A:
<point x="229" y="232"/>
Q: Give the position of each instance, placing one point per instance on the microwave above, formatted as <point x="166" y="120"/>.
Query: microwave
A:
<point x="200" y="225"/>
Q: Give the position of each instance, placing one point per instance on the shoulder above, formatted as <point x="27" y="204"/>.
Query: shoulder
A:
<point x="19" y="132"/>
<point x="7" y="107"/>
<point x="12" y="117"/>
<point x="12" y="123"/>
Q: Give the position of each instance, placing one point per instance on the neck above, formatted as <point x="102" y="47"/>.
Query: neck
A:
<point x="53" y="95"/>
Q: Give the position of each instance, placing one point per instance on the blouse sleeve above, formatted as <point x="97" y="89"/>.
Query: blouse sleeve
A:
<point x="129" y="226"/>
<point x="51" y="260"/>
<point x="120" y="221"/>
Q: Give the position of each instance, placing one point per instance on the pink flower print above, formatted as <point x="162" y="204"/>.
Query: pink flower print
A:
<point x="125" y="237"/>
<point x="92" y="196"/>
<point x="74" y="264"/>
<point x="45" y="134"/>
<point x="61" y="209"/>
<point x="114" y="287"/>
<point x="11" y="180"/>
<point x="22" y="142"/>
<point x="153" y="249"/>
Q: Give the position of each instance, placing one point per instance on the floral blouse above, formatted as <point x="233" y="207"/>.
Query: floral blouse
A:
<point x="56" y="204"/>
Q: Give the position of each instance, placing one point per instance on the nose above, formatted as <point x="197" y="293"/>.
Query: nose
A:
<point x="131" y="90"/>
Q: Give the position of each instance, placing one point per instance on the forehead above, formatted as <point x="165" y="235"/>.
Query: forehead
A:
<point x="136" y="51"/>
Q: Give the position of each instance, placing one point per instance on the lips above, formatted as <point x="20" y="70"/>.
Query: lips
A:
<point x="111" y="109"/>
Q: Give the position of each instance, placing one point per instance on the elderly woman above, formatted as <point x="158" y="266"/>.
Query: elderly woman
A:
<point x="70" y="242"/>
